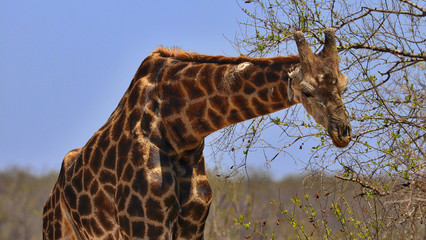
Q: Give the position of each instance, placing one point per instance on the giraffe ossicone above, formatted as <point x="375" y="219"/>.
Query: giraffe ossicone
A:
<point x="142" y="174"/>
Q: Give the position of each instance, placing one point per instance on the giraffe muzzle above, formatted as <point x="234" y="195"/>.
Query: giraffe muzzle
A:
<point x="340" y="133"/>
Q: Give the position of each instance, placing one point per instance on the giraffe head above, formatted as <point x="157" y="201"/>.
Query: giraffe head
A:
<point x="319" y="84"/>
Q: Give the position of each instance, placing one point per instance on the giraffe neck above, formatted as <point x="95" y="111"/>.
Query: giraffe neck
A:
<point x="177" y="98"/>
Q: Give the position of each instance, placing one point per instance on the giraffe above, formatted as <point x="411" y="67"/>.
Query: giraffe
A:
<point x="142" y="174"/>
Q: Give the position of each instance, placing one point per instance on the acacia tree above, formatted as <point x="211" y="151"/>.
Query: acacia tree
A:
<point x="382" y="49"/>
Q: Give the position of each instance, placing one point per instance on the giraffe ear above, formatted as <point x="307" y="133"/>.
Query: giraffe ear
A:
<point x="241" y="70"/>
<point x="244" y="66"/>
<point x="293" y="78"/>
<point x="290" y="92"/>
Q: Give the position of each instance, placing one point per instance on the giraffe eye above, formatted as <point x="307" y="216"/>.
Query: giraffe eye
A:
<point x="306" y="93"/>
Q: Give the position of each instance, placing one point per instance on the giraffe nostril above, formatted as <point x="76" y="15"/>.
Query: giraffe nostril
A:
<point x="345" y="131"/>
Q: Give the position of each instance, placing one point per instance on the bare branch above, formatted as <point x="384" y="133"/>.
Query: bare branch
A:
<point x="396" y="12"/>
<point x="383" y="49"/>
<point x="416" y="6"/>
<point x="353" y="19"/>
<point x="364" y="184"/>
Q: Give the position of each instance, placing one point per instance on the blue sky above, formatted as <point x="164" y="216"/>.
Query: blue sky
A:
<point x="64" y="66"/>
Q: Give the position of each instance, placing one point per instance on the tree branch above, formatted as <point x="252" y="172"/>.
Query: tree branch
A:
<point x="396" y="12"/>
<point x="363" y="184"/>
<point x="384" y="49"/>
<point x="353" y="19"/>
<point x="416" y="6"/>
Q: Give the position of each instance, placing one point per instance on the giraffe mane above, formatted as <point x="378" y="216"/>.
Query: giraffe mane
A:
<point x="183" y="55"/>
